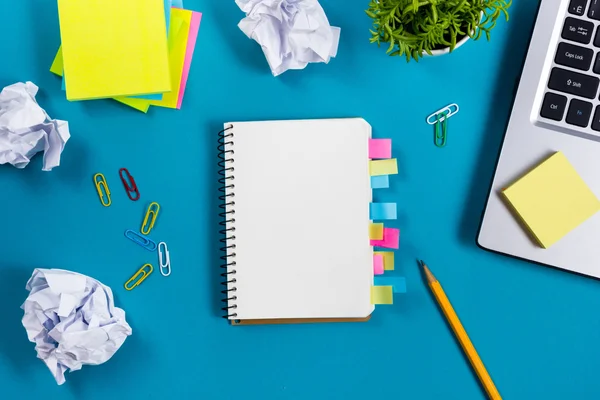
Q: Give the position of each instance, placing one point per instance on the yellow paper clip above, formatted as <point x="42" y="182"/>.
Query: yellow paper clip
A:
<point x="102" y="184"/>
<point x="151" y="215"/>
<point x="144" y="272"/>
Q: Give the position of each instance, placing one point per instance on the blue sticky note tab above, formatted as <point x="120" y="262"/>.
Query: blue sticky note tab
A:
<point x="178" y="3"/>
<point x="168" y="4"/>
<point x="380" y="182"/>
<point x="398" y="283"/>
<point x="382" y="211"/>
<point x="64" y="82"/>
<point x="157" y="96"/>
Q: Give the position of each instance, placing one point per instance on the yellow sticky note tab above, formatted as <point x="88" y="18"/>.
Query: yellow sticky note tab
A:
<point x="57" y="66"/>
<point x="552" y="200"/>
<point x="388" y="259"/>
<point x="178" y="39"/>
<point x="383" y="167"/>
<point x="382" y="295"/>
<point x="114" y="48"/>
<point x="139" y="104"/>
<point x="376" y="231"/>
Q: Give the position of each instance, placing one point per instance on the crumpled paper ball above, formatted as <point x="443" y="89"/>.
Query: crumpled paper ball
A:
<point x="292" y="33"/>
<point x="72" y="320"/>
<point x="26" y="129"/>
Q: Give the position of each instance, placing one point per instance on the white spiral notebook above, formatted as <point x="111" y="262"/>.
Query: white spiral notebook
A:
<point x="295" y="200"/>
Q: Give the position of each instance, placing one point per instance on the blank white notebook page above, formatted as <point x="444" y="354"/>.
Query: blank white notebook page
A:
<point x="302" y="193"/>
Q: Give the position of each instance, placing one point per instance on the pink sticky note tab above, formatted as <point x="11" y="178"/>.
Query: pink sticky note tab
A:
<point x="189" y="54"/>
<point x="391" y="239"/>
<point x="378" y="264"/>
<point x="380" y="148"/>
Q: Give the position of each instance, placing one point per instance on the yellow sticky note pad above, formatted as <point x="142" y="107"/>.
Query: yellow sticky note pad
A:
<point x="138" y="104"/>
<point x="178" y="38"/>
<point x="382" y="295"/>
<point x="388" y="259"/>
<point x="552" y="200"/>
<point x="114" y="48"/>
<point x="383" y="167"/>
<point x="376" y="231"/>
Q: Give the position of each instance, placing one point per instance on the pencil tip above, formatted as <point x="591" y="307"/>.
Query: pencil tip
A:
<point x="430" y="277"/>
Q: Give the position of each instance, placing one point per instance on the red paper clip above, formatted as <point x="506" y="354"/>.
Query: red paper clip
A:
<point x="129" y="183"/>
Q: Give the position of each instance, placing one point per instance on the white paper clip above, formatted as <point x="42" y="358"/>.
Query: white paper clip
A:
<point x="164" y="267"/>
<point x="444" y="113"/>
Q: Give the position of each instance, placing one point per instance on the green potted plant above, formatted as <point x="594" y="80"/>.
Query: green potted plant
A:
<point x="414" y="28"/>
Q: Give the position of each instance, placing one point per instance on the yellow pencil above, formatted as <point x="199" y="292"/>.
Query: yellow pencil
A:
<point x="461" y="334"/>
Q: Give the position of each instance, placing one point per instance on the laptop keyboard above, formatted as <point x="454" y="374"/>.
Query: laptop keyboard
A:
<point x="572" y="91"/>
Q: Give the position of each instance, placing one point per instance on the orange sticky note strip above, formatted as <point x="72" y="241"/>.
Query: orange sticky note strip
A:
<point x="376" y="231"/>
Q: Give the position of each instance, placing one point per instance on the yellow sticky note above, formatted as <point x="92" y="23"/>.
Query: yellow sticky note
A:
<point x="388" y="259"/>
<point x="376" y="231"/>
<point x="138" y="104"/>
<point x="114" y="48"/>
<point x="178" y="39"/>
<point x="382" y="295"/>
<point x="383" y="167"/>
<point x="57" y="65"/>
<point x="552" y="200"/>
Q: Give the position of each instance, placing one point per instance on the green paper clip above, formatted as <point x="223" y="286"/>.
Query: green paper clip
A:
<point x="441" y="135"/>
<point x="441" y="117"/>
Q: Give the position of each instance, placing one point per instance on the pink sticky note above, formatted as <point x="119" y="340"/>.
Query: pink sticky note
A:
<point x="377" y="264"/>
<point x="189" y="54"/>
<point x="380" y="148"/>
<point x="391" y="239"/>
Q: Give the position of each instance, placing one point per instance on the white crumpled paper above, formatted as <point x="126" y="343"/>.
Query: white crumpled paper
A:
<point x="72" y="320"/>
<point x="292" y="33"/>
<point x="26" y="129"/>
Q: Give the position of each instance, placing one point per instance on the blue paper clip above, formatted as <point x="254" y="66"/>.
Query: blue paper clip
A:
<point x="440" y="117"/>
<point x="145" y="242"/>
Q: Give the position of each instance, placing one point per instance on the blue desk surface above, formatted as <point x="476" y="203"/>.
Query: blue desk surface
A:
<point x="537" y="329"/>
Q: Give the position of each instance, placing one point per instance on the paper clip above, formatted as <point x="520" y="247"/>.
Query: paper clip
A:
<point x="151" y="214"/>
<point x="102" y="184"/>
<point x="145" y="271"/>
<point x="164" y="267"/>
<point x="440" y="117"/>
<point x="145" y="242"/>
<point x="129" y="183"/>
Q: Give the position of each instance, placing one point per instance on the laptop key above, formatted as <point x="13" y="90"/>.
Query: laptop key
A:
<point x="596" y="120"/>
<point x="597" y="64"/>
<point x="579" y="113"/>
<point x="578" y="30"/>
<point x="554" y="106"/>
<point x="575" y="83"/>
<point x="594" y="11"/>
<point x="574" y="56"/>
<point x="577" y="7"/>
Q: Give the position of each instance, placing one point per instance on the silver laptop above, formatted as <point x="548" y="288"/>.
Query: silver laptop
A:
<point x="557" y="108"/>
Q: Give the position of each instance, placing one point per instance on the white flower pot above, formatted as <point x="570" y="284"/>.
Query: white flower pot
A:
<point x="445" y="50"/>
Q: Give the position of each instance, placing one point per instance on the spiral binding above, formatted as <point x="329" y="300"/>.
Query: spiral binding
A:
<point x="227" y="199"/>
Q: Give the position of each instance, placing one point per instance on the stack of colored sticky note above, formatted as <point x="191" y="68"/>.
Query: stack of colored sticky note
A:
<point x="138" y="52"/>
<point x="381" y="166"/>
